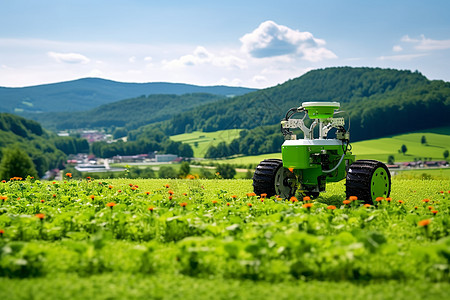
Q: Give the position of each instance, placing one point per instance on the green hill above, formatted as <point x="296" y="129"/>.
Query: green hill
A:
<point x="379" y="102"/>
<point x="87" y="93"/>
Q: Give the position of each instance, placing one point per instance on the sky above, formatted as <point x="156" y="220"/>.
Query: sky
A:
<point x="254" y="44"/>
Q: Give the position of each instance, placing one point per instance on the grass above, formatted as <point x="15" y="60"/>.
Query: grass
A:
<point x="201" y="141"/>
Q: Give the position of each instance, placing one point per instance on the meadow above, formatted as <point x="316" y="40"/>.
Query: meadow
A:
<point x="198" y="239"/>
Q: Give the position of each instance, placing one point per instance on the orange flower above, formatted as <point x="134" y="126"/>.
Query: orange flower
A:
<point x="434" y="212"/>
<point x="367" y="205"/>
<point x="171" y="192"/>
<point x="307" y="205"/>
<point x="379" y="199"/>
<point x="306" y="198"/>
<point x="110" y="187"/>
<point x="214" y="202"/>
<point x="69" y="175"/>
<point x="40" y="216"/>
<point x="151" y="208"/>
<point x="133" y="188"/>
<point x="430" y="207"/>
<point x="415" y="207"/>
<point x="388" y="199"/>
<point x="88" y="178"/>
<point x="170" y="197"/>
<point x="233" y="196"/>
<point x="352" y="198"/>
<point x="228" y="203"/>
<point x="42" y="200"/>
<point x="190" y="177"/>
<point x="294" y="199"/>
<point x="251" y="194"/>
<point x="424" y="223"/>
<point x="400" y="201"/>
<point x="264" y="195"/>
<point x="331" y="207"/>
<point x="2" y="232"/>
<point x="183" y="204"/>
<point x="426" y="200"/>
<point x="167" y="186"/>
<point x="148" y="193"/>
<point x="184" y="194"/>
<point x="111" y="204"/>
<point x="92" y="197"/>
<point x="3" y="198"/>
<point x="3" y="181"/>
<point x="346" y="202"/>
<point x="130" y="184"/>
<point x="249" y="205"/>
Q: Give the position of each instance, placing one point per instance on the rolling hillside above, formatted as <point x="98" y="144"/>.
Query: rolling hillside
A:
<point x="87" y="93"/>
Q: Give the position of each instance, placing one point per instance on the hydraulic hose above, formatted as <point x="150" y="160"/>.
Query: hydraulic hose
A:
<point x="335" y="167"/>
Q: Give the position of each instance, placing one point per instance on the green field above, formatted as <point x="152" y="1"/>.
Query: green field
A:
<point x="379" y="149"/>
<point x="211" y="239"/>
<point x="201" y="141"/>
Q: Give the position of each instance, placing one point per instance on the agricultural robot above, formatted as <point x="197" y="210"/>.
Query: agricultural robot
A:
<point x="310" y="162"/>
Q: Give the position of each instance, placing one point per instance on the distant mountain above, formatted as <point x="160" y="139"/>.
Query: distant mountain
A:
<point x="87" y="93"/>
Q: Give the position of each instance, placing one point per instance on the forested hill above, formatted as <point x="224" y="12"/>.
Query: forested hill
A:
<point x="127" y="114"/>
<point x="46" y="151"/>
<point x="380" y="102"/>
<point x="87" y="93"/>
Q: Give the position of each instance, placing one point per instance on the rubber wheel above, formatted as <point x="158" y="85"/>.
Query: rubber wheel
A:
<point x="272" y="178"/>
<point x="367" y="180"/>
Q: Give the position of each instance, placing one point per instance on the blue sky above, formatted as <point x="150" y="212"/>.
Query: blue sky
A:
<point x="239" y="43"/>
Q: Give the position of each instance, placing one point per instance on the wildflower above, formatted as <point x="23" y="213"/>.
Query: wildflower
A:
<point x="170" y="197"/>
<point x="40" y="216"/>
<point x="307" y="205"/>
<point x="2" y="232"/>
<point x="184" y="194"/>
<point x="251" y="194"/>
<point x="54" y="195"/>
<point x="88" y="178"/>
<point x="190" y="177"/>
<point x="293" y="199"/>
<point x="42" y="200"/>
<point x="233" y="196"/>
<point x="401" y="201"/>
<point x="171" y="192"/>
<point x="92" y="197"/>
<point x="262" y="199"/>
<point x="379" y="199"/>
<point x="424" y="223"/>
<point x="228" y="203"/>
<point x="151" y="208"/>
<point x="130" y="184"/>
<point x="278" y="198"/>
<point x="346" y="202"/>
<point x="3" y="181"/>
<point x="352" y="198"/>
<point x="426" y="200"/>
<point x="430" y="207"/>
<point x="415" y="207"/>
<point x="434" y="212"/>
<point x="111" y="204"/>
<point x="264" y="195"/>
<point x="367" y="205"/>
<point x="147" y="193"/>
<point x="183" y="204"/>
<point x="69" y="175"/>
<point x="331" y="207"/>
<point x="306" y="198"/>
<point x="110" y="187"/>
<point x="167" y="186"/>
<point x="249" y="205"/>
<point x="133" y="188"/>
<point x="3" y="198"/>
<point x="136" y="186"/>
<point x="214" y="202"/>
<point x="389" y="199"/>
<point x="119" y="191"/>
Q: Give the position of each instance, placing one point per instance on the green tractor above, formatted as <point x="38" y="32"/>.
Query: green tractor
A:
<point x="308" y="163"/>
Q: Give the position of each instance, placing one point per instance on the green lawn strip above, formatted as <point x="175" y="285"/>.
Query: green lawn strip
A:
<point x="171" y="286"/>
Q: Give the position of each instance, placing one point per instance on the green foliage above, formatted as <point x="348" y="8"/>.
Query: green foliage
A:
<point x="185" y="169"/>
<point x="16" y="163"/>
<point x="167" y="172"/>
<point x="404" y="149"/>
<point x="445" y="154"/>
<point x="226" y="171"/>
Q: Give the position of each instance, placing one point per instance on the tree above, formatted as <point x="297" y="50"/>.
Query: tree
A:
<point x="391" y="160"/>
<point x="184" y="169"/>
<point x="226" y="171"/>
<point x="403" y="149"/>
<point x="16" y="163"/>
<point x="167" y="172"/>
<point x="446" y="154"/>
<point x="423" y="140"/>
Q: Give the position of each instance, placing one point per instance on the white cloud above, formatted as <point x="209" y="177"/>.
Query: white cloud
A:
<point x="397" y="48"/>
<point x="201" y="56"/>
<point x="132" y="59"/>
<point x="70" y="58"/>
<point x="425" y="44"/>
<point x="271" y="39"/>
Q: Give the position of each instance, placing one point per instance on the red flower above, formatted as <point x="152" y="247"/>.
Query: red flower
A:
<point x="2" y="232"/>
<point x="42" y="201"/>
<point x="228" y="203"/>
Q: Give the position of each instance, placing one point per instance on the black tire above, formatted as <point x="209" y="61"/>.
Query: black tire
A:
<point x="367" y="180"/>
<point x="272" y="178"/>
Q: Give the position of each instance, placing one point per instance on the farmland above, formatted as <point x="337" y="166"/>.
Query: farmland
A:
<point x="215" y="239"/>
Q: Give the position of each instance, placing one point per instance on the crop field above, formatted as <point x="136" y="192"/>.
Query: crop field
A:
<point x="215" y="239"/>
<point x="201" y="141"/>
